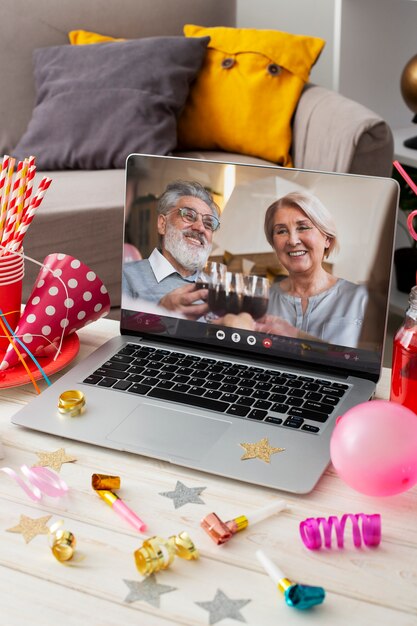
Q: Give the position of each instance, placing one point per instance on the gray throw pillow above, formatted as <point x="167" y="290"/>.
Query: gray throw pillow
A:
<point x="98" y="103"/>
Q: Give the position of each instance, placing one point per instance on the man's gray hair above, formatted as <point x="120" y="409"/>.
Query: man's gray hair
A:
<point x="180" y="188"/>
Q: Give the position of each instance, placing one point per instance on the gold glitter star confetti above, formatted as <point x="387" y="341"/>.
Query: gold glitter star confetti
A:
<point x="260" y="450"/>
<point x="54" y="460"/>
<point x="30" y="527"/>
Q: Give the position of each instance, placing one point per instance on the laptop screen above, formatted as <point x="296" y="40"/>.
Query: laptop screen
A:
<point x="260" y="261"/>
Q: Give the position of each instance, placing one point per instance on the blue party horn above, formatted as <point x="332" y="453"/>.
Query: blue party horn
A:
<point x="298" y="596"/>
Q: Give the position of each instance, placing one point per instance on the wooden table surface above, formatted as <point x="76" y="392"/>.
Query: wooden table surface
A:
<point x="363" y="586"/>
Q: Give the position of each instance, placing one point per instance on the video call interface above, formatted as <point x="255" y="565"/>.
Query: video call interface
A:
<point x="269" y="261"/>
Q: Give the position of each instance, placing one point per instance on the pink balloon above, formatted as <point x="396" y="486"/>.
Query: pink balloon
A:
<point x="374" y="448"/>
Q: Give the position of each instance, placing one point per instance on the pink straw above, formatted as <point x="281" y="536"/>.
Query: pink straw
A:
<point x="412" y="186"/>
<point x="406" y="177"/>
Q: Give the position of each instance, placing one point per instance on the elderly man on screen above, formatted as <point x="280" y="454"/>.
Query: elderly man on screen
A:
<point x="187" y="219"/>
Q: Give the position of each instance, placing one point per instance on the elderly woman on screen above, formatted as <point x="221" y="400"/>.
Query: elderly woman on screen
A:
<point x="303" y="233"/>
<point x="309" y="302"/>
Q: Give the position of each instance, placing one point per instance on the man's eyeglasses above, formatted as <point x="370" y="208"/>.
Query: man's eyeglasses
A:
<point x="191" y="216"/>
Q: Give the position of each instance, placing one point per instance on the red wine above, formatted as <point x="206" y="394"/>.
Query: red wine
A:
<point x="234" y="303"/>
<point x="217" y="300"/>
<point x="255" y="306"/>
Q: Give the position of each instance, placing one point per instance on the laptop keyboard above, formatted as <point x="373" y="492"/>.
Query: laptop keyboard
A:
<point x="280" y="398"/>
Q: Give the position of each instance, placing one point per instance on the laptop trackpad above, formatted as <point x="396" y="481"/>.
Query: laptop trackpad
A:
<point x="168" y="432"/>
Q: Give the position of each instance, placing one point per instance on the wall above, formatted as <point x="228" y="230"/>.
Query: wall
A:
<point x="301" y="17"/>
<point x="384" y="36"/>
<point x="368" y="44"/>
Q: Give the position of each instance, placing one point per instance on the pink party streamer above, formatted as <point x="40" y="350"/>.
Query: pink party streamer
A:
<point x="314" y="529"/>
<point x="40" y="481"/>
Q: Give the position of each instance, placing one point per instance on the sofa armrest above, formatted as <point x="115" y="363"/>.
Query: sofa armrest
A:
<point x="336" y="134"/>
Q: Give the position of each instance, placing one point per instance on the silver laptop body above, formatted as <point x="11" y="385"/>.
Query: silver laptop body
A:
<point x="284" y="448"/>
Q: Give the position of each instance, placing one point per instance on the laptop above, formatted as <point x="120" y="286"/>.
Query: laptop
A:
<point x="222" y="388"/>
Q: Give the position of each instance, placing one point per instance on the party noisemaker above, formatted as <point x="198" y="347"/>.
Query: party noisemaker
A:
<point x="221" y="532"/>
<point x="67" y="295"/>
<point x="295" y="595"/>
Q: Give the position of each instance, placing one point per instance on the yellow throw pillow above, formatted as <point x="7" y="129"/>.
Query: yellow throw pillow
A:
<point x="246" y="92"/>
<point x="84" y="37"/>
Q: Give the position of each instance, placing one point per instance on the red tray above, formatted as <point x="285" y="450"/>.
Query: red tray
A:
<point x="16" y="376"/>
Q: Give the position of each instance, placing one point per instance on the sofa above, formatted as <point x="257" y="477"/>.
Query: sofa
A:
<point x="82" y="213"/>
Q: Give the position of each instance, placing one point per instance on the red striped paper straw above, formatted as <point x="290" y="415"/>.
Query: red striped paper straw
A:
<point x="406" y="177"/>
<point x="21" y="193"/>
<point x="17" y="191"/>
<point x="3" y="209"/>
<point x="8" y="181"/>
<point x="5" y="195"/>
<point x="34" y="205"/>
<point x="4" y="168"/>
<point x="29" y="186"/>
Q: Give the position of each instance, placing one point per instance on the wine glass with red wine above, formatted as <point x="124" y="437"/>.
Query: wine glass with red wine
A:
<point x="214" y="275"/>
<point x="256" y="296"/>
<point x="234" y="292"/>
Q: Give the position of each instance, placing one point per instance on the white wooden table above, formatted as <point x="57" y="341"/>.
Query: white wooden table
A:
<point x="363" y="586"/>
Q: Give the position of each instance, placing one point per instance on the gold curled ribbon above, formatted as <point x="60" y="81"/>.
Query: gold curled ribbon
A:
<point x="71" y="403"/>
<point x="157" y="553"/>
<point x="62" y="542"/>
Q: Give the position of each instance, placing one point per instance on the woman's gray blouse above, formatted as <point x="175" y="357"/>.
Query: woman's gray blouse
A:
<point x="334" y="316"/>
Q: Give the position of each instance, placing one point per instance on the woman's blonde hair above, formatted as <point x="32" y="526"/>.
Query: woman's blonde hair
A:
<point x="312" y="207"/>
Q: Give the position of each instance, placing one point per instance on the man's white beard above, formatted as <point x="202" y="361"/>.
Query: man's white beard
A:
<point x="191" y="257"/>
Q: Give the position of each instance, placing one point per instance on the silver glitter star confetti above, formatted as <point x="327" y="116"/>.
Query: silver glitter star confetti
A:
<point x="222" y="607"/>
<point x="184" y="495"/>
<point x="147" y="590"/>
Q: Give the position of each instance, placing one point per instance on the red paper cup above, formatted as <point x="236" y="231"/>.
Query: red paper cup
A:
<point x="11" y="279"/>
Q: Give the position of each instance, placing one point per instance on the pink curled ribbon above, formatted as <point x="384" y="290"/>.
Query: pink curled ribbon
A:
<point x="314" y="529"/>
<point x="40" y="481"/>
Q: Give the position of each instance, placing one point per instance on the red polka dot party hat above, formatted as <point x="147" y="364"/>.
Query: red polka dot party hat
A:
<point x="67" y="295"/>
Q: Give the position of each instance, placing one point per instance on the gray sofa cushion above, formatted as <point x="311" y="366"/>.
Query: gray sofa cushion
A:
<point x="30" y="25"/>
<point x="97" y="104"/>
